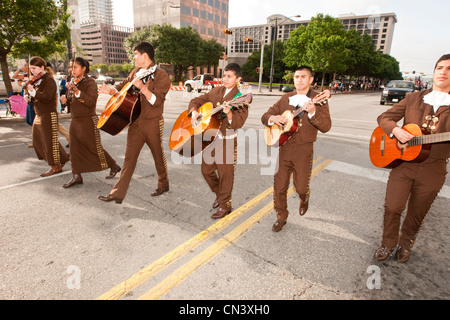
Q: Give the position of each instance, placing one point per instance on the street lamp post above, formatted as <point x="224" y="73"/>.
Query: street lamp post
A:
<point x="261" y="62"/>
<point x="274" y="39"/>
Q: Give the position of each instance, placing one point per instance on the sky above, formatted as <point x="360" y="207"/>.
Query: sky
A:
<point x="421" y="34"/>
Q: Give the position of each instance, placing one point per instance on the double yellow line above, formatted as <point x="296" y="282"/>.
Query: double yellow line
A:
<point x="184" y="271"/>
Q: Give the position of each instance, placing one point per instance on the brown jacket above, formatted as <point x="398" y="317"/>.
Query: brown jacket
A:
<point x="216" y="96"/>
<point x="159" y="85"/>
<point x="413" y="110"/>
<point x="86" y="104"/>
<point x="308" y="131"/>
<point x="45" y="99"/>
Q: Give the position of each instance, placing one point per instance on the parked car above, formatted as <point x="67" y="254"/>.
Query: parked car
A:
<point x="15" y="84"/>
<point x="396" y="90"/>
<point x="200" y="80"/>
<point x="104" y="79"/>
<point x="288" y="89"/>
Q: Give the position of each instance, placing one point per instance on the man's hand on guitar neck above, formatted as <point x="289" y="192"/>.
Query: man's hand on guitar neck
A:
<point x="227" y="110"/>
<point x="309" y="107"/>
<point x="402" y="135"/>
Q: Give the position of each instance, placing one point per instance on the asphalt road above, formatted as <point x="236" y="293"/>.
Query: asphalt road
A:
<point x="66" y="244"/>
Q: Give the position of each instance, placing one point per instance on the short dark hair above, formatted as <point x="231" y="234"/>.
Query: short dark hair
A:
<point x="145" y="47"/>
<point x="301" y="68"/>
<point x="235" y="68"/>
<point x="444" y="57"/>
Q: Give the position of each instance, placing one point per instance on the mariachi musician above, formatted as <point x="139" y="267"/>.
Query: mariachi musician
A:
<point x="415" y="183"/>
<point x="296" y="155"/>
<point x="86" y="150"/>
<point x="218" y="169"/>
<point x="42" y="90"/>
<point x="149" y="126"/>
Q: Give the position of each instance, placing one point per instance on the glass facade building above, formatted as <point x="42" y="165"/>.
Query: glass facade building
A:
<point x="208" y="17"/>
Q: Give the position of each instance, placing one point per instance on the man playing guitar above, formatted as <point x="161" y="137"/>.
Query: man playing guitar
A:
<point x="148" y="128"/>
<point x="296" y="155"/>
<point x="218" y="167"/>
<point x="418" y="181"/>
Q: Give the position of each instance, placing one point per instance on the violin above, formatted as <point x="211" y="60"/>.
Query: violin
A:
<point x="32" y="82"/>
<point x="73" y="84"/>
<point x="34" y="79"/>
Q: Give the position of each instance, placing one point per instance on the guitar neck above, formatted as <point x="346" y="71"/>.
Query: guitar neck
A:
<point x="317" y="97"/>
<point x="217" y="109"/>
<point x="297" y="112"/>
<point x="430" y="138"/>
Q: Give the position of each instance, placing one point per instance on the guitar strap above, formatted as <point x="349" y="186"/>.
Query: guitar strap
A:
<point x="238" y="95"/>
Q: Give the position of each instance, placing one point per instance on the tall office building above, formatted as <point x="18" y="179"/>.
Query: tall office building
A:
<point x="94" y="12"/>
<point x="208" y="17"/>
<point x="380" y="27"/>
<point x="94" y="32"/>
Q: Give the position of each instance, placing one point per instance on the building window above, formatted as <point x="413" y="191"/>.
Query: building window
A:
<point x="185" y="10"/>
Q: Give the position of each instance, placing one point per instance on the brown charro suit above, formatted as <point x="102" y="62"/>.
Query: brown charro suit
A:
<point x="147" y="129"/>
<point x="296" y="155"/>
<point x="86" y="150"/>
<point x="45" y="125"/>
<point x="419" y="181"/>
<point x="222" y="156"/>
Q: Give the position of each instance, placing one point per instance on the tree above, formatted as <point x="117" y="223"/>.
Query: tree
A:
<point x="362" y="59"/>
<point x="321" y="45"/>
<point x="388" y="68"/>
<point x="254" y="60"/>
<point x="182" y="48"/>
<point x="22" y="22"/>
<point x="212" y="52"/>
<point x="148" y="34"/>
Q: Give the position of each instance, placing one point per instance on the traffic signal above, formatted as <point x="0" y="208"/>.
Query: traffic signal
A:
<point x="227" y="31"/>
<point x="249" y="40"/>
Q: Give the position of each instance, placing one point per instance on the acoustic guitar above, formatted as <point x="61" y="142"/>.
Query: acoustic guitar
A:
<point x="276" y="134"/>
<point x="123" y="108"/>
<point x="386" y="152"/>
<point x="205" y="128"/>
